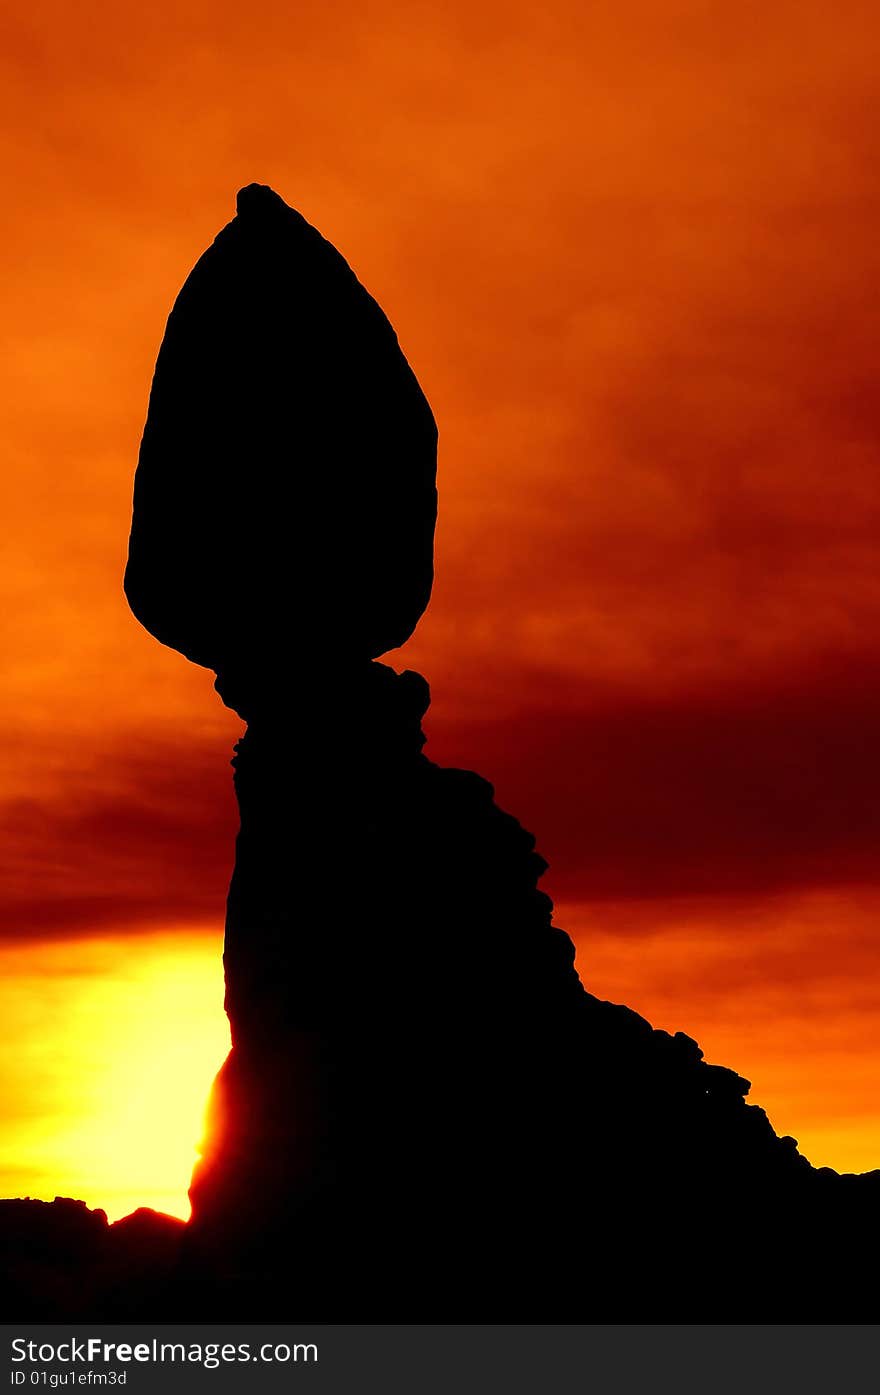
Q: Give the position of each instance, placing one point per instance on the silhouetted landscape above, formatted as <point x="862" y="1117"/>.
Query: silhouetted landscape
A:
<point x="425" y="1115"/>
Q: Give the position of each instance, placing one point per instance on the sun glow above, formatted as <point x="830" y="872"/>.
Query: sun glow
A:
<point x="117" y="1042"/>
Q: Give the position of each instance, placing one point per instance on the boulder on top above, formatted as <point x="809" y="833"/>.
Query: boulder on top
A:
<point x="285" y="496"/>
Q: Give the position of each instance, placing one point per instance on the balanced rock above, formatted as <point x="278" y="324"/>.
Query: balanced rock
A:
<point x="285" y="493"/>
<point x="424" y="1115"/>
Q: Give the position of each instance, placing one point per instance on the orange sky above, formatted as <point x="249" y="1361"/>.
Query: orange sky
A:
<point x="630" y="251"/>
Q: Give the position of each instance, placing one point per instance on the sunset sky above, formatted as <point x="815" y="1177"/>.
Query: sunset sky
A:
<point x="631" y="252"/>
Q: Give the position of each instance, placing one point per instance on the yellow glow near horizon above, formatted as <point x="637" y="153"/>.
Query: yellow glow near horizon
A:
<point x="115" y="1044"/>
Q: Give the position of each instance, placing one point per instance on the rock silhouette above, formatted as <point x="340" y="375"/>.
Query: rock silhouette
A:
<point x="424" y="1114"/>
<point x="285" y="493"/>
<point x="60" y="1261"/>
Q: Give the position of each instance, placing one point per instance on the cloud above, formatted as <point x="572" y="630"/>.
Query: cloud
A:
<point x="144" y="839"/>
<point x="733" y="790"/>
<point x="631" y="252"/>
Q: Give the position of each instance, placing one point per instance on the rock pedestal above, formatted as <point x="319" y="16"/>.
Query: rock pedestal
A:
<point x="424" y="1115"/>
